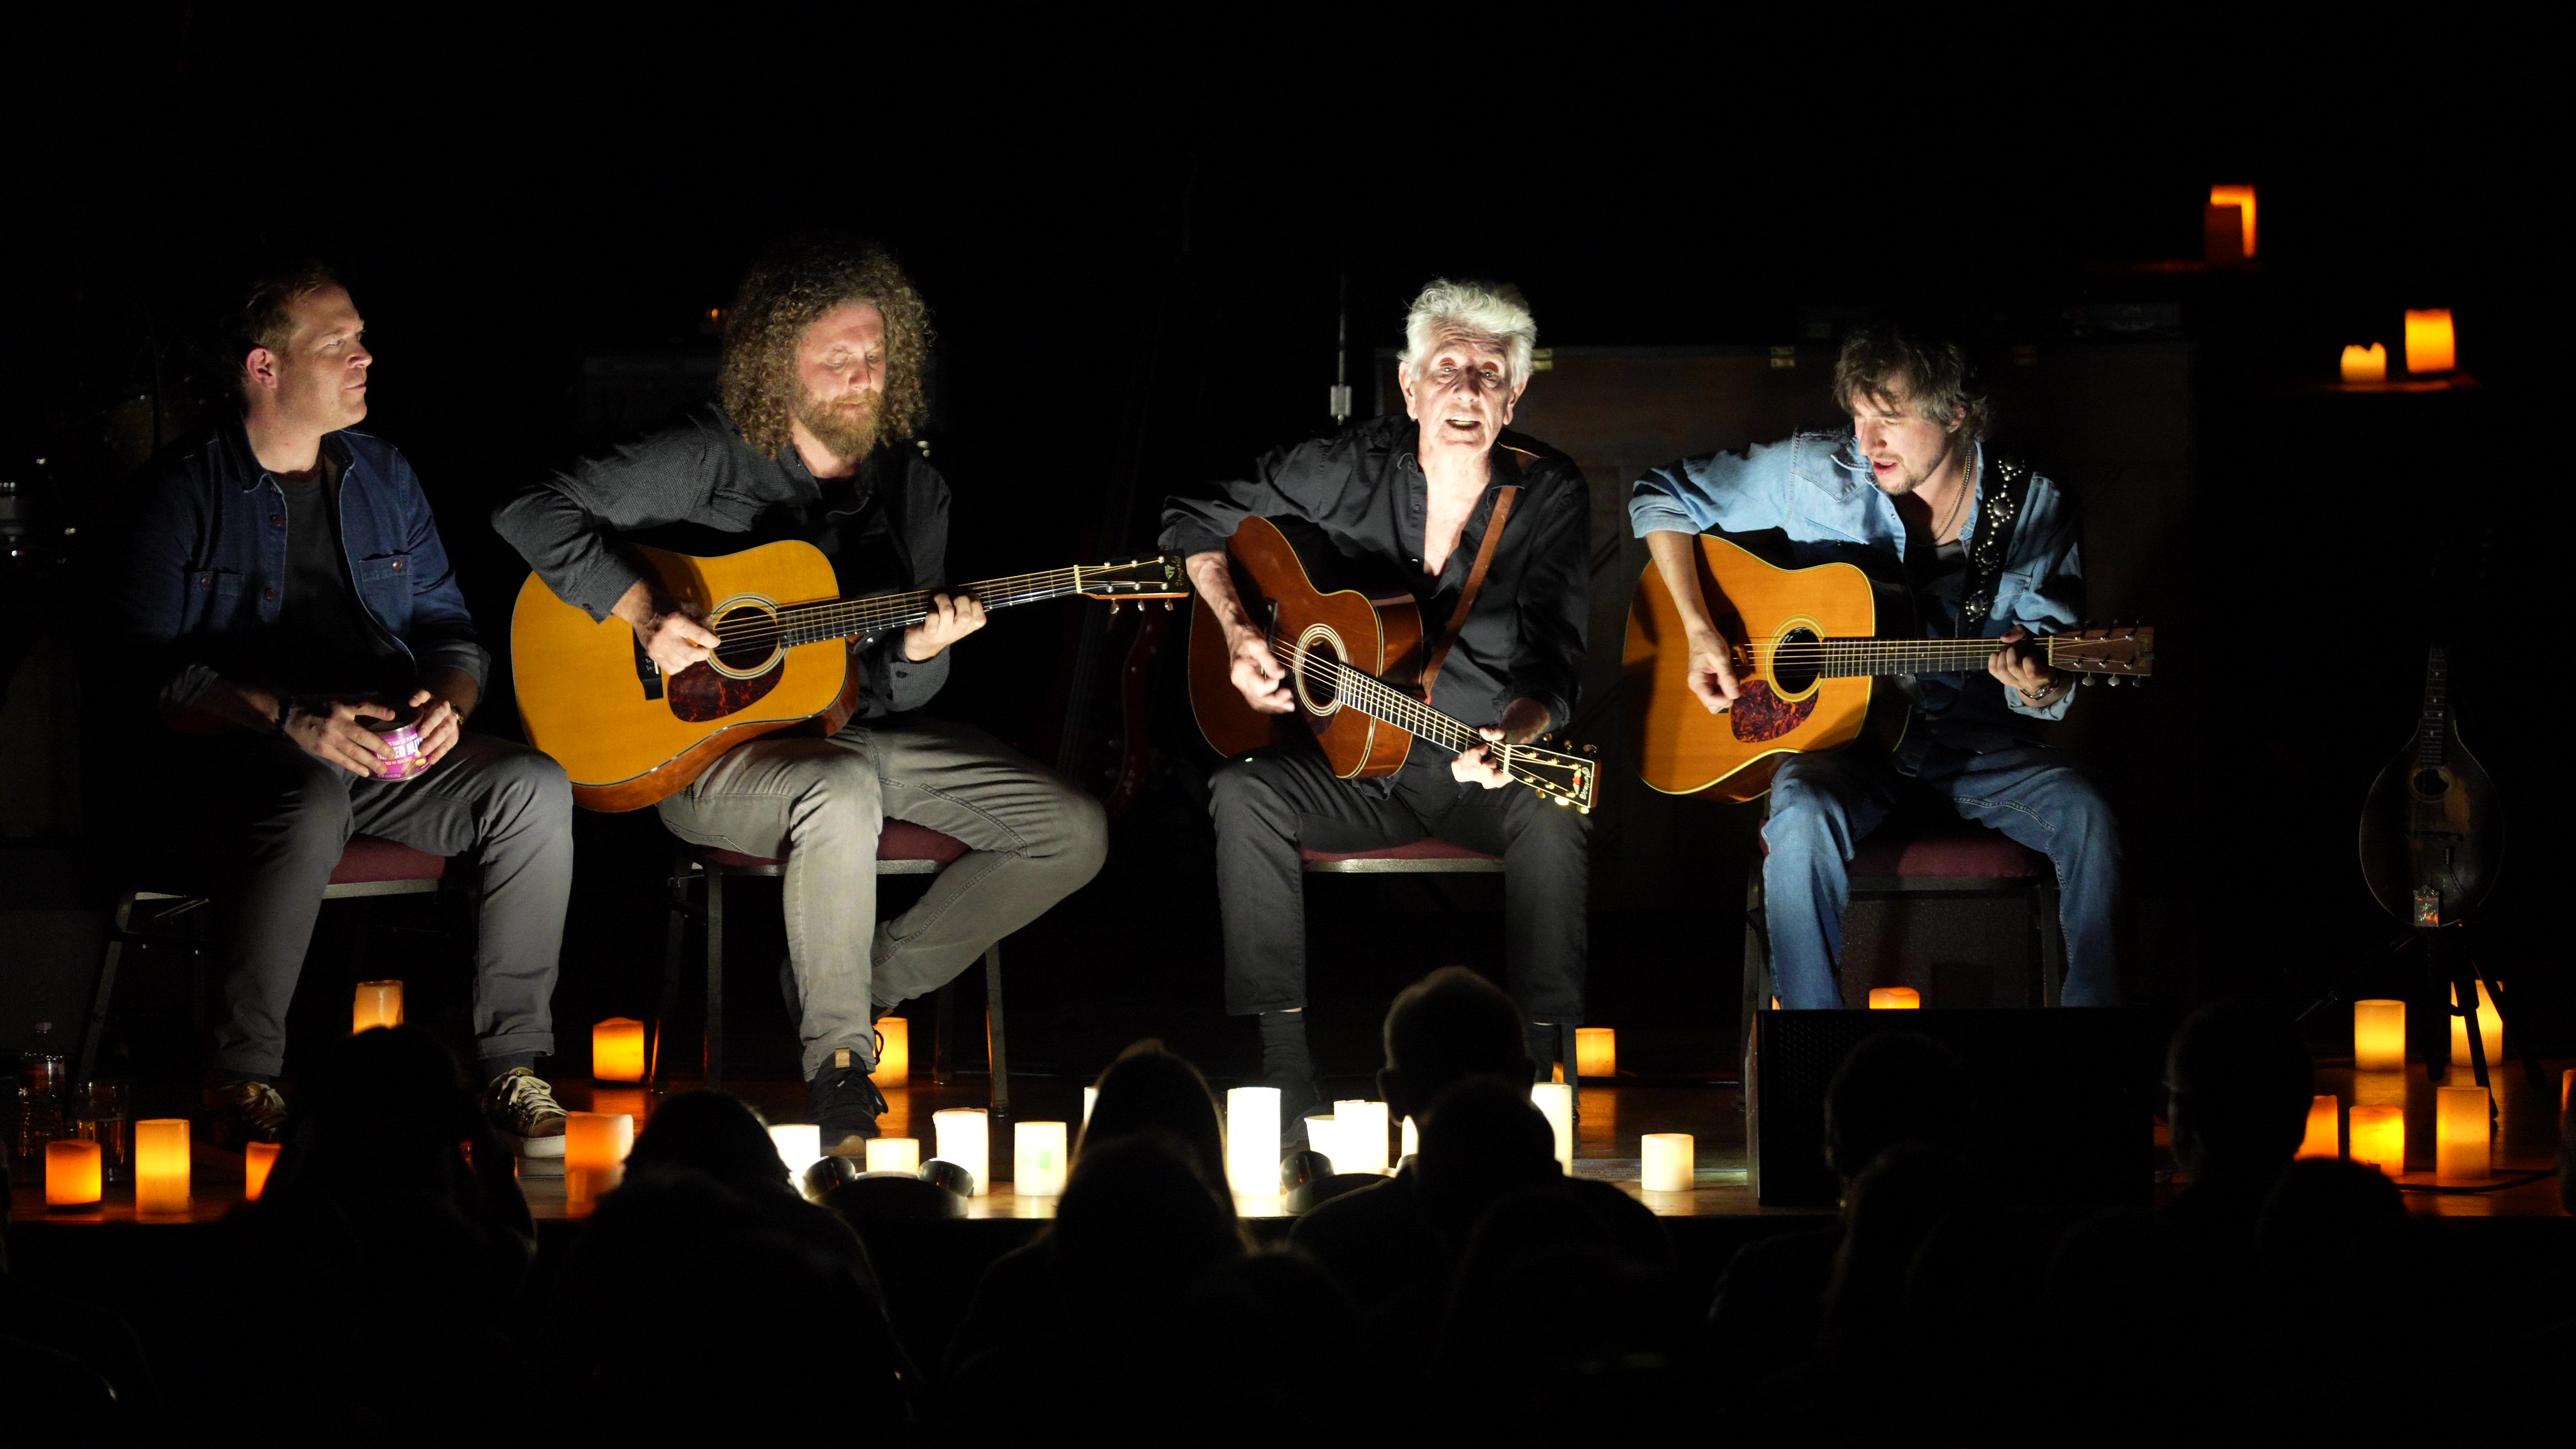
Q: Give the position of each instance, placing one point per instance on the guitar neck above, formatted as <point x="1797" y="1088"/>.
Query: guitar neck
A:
<point x="2433" y="729"/>
<point x="1383" y="702"/>
<point x="879" y="614"/>
<point x="1852" y="658"/>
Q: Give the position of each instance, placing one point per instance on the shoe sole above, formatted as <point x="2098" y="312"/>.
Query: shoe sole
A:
<point x="534" y="1146"/>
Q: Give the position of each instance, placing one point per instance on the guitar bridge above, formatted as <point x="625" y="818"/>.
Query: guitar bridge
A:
<point x="647" y="671"/>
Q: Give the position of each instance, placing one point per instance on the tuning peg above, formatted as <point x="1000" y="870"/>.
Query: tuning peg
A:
<point x="1167" y="606"/>
<point x="1591" y="749"/>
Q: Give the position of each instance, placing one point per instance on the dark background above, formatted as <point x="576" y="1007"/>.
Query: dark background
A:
<point x="1134" y="238"/>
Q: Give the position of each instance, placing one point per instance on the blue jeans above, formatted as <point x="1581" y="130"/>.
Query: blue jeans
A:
<point x="1824" y="805"/>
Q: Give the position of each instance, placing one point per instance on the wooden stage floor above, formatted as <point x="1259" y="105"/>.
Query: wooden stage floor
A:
<point x="1614" y="1116"/>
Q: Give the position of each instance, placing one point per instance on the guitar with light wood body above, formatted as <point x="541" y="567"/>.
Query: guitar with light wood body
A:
<point x="630" y="735"/>
<point x="1812" y="646"/>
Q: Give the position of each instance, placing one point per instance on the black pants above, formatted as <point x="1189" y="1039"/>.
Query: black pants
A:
<point x="1268" y="806"/>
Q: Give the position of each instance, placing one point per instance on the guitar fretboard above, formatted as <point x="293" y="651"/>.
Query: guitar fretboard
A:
<point x="1848" y="658"/>
<point x="2433" y="732"/>
<point x="1328" y="676"/>
<point x="858" y="618"/>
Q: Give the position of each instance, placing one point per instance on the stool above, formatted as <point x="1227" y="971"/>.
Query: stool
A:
<point x="1428" y="856"/>
<point x="903" y="848"/>
<point x="1903" y="858"/>
<point x="369" y="866"/>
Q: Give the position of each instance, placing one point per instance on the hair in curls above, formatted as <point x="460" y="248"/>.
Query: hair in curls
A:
<point x="1883" y="362"/>
<point x="785" y="292"/>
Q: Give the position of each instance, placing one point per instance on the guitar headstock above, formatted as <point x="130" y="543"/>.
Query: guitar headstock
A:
<point x="1567" y="779"/>
<point x="1159" y="577"/>
<point x="2123" y="651"/>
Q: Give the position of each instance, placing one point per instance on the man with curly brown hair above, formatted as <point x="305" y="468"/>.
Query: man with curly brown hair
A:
<point x="820" y="398"/>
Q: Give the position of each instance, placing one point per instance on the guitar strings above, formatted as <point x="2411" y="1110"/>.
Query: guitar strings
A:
<point x="1415" y="717"/>
<point x="842" y="618"/>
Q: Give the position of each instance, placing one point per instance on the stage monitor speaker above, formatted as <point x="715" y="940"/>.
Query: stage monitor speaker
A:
<point x="2063" y="1105"/>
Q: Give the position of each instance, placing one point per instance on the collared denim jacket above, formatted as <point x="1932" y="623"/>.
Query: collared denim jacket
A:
<point x="1817" y="489"/>
<point x="203" y="571"/>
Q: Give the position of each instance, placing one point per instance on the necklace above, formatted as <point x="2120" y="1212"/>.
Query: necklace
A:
<point x="1957" y="506"/>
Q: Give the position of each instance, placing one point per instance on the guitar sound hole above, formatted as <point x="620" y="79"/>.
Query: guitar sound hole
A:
<point x="1793" y="660"/>
<point x="750" y="637"/>
<point x="2430" y="785"/>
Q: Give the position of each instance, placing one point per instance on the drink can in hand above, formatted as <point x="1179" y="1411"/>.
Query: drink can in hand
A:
<point x="401" y="735"/>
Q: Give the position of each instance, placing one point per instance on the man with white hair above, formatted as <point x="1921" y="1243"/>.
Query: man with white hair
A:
<point x="1415" y="495"/>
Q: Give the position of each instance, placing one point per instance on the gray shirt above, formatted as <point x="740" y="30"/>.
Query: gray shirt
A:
<point x="697" y="487"/>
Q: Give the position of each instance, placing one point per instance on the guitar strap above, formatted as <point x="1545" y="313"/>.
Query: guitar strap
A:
<point x="1991" y="541"/>
<point x="1439" y="655"/>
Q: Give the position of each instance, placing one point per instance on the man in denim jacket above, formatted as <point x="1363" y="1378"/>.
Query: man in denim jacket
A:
<point x="283" y="586"/>
<point x="1905" y="486"/>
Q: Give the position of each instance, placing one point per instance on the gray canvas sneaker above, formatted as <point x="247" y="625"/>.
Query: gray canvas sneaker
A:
<point x="524" y="1114"/>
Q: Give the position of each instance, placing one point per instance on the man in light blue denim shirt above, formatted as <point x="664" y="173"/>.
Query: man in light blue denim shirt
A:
<point x="1900" y="494"/>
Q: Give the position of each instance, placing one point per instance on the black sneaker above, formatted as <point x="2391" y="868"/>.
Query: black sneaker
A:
<point x="844" y="1104"/>
<point x="241" y="1110"/>
<point x="524" y="1114"/>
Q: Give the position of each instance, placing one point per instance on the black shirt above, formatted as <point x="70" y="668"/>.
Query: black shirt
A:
<point x="324" y="643"/>
<point x="1365" y="491"/>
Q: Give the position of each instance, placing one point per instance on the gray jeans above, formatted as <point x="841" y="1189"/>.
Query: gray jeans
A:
<point x="1031" y="839"/>
<point x="289" y="815"/>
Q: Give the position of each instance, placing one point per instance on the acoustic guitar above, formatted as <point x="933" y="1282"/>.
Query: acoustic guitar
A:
<point x="630" y="735"/>
<point x="2432" y="831"/>
<point x="1811" y="645"/>
<point x="1352" y="662"/>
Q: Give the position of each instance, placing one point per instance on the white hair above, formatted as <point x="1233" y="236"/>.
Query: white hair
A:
<point x="1492" y="312"/>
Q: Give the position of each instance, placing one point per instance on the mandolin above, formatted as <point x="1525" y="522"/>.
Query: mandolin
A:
<point x="1352" y="661"/>
<point x="1809" y="652"/>
<point x="2432" y="830"/>
<point x="629" y="735"/>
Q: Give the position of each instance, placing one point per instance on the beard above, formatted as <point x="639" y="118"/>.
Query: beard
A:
<point x="1904" y="483"/>
<point x="847" y="426"/>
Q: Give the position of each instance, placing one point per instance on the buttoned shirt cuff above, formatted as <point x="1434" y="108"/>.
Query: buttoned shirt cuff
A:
<point x="2055" y="709"/>
<point x="599" y="585"/>
<point x="1191" y="538"/>
<point x="184" y="688"/>
<point x="1648" y="513"/>
<point x="459" y="654"/>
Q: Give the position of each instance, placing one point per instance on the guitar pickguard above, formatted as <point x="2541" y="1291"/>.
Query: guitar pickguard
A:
<point x="1759" y="715"/>
<point x="700" y="695"/>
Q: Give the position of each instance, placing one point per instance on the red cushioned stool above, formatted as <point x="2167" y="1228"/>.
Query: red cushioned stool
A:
<point x="369" y="866"/>
<point x="1918" y="858"/>
<point x="903" y="848"/>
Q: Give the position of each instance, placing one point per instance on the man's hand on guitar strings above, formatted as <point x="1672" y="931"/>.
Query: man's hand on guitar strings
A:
<point x="1257" y="672"/>
<point x="1524" y="720"/>
<point x="674" y="634"/>
<point x="2019" y="670"/>
<point x="953" y="617"/>
<point x="1712" y="671"/>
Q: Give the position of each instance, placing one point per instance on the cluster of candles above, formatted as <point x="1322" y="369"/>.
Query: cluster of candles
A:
<point x="2431" y="349"/>
<point x="2376" y="1133"/>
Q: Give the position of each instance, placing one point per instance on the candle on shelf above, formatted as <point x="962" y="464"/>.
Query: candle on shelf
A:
<point x="1895" y="998"/>
<point x="894" y="1154"/>
<point x="2242" y="198"/>
<point x="1413" y="1138"/>
<point x="595" y="1148"/>
<point x="379" y="1004"/>
<point x="1668" y="1161"/>
<point x="964" y="1138"/>
<point x="617" y="1050"/>
<point x="2460" y="1133"/>
<point x="2325" y="1137"/>
<point x="2430" y="346"/>
<point x="1556" y="1101"/>
<point x="2379" y="1138"/>
<point x="2379" y="1035"/>
<point x="2566" y="1090"/>
<point x="161" y="1165"/>
<point x="1252" y="1140"/>
<point x="894" y="1058"/>
<point x="1037" y="1159"/>
<point x="1596" y="1051"/>
<point x="1091" y="1098"/>
<point x="2366" y="364"/>
<point x="257" y="1159"/>
<point x="1362" y="1128"/>
<point x="72" y="1173"/>
<point x="799" y="1144"/>
<point x="2490" y="1029"/>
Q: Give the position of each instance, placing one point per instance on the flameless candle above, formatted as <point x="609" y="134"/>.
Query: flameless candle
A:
<point x="2429" y="343"/>
<point x="2379" y="1035"/>
<point x="1596" y="1051"/>
<point x="2366" y="364"/>
<point x="2325" y="1137"/>
<point x="2379" y="1138"/>
<point x="1895" y="998"/>
<point x="2490" y="1029"/>
<point x="1037" y="1159"/>
<point x="597" y="1141"/>
<point x="379" y="1004"/>
<point x="2242" y="198"/>
<point x="2566" y="1090"/>
<point x="2460" y="1133"/>
<point x="1090" y="1095"/>
<point x="1669" y="1159"/>
<point x="617" y="1050"/>
<point x="72" y="1173"/>
<point x="1252" y="1140"/>
<point x="1324" y="1135"/>
<point x="965" y="1139"/>
<point x="894" y="1058"/>
<point x="894" y="1154"/>
<point x="1556" y="1101"/>
<point x="161" y="1165"/>
<point x="799" y="1145"/>
<point x="1362" y="1126"/>
<point x="1413" y="1139"/>
<point x="257" y="1159"/>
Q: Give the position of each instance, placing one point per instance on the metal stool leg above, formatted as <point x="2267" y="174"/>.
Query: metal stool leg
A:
<point x="2052" y="943"/>
<point x="1757" y="958"/>
<point x="674" y="939"/>
<point x="105" y="991"/>
<point x="715" y="978"/>
<point x="994" y="1051"/>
